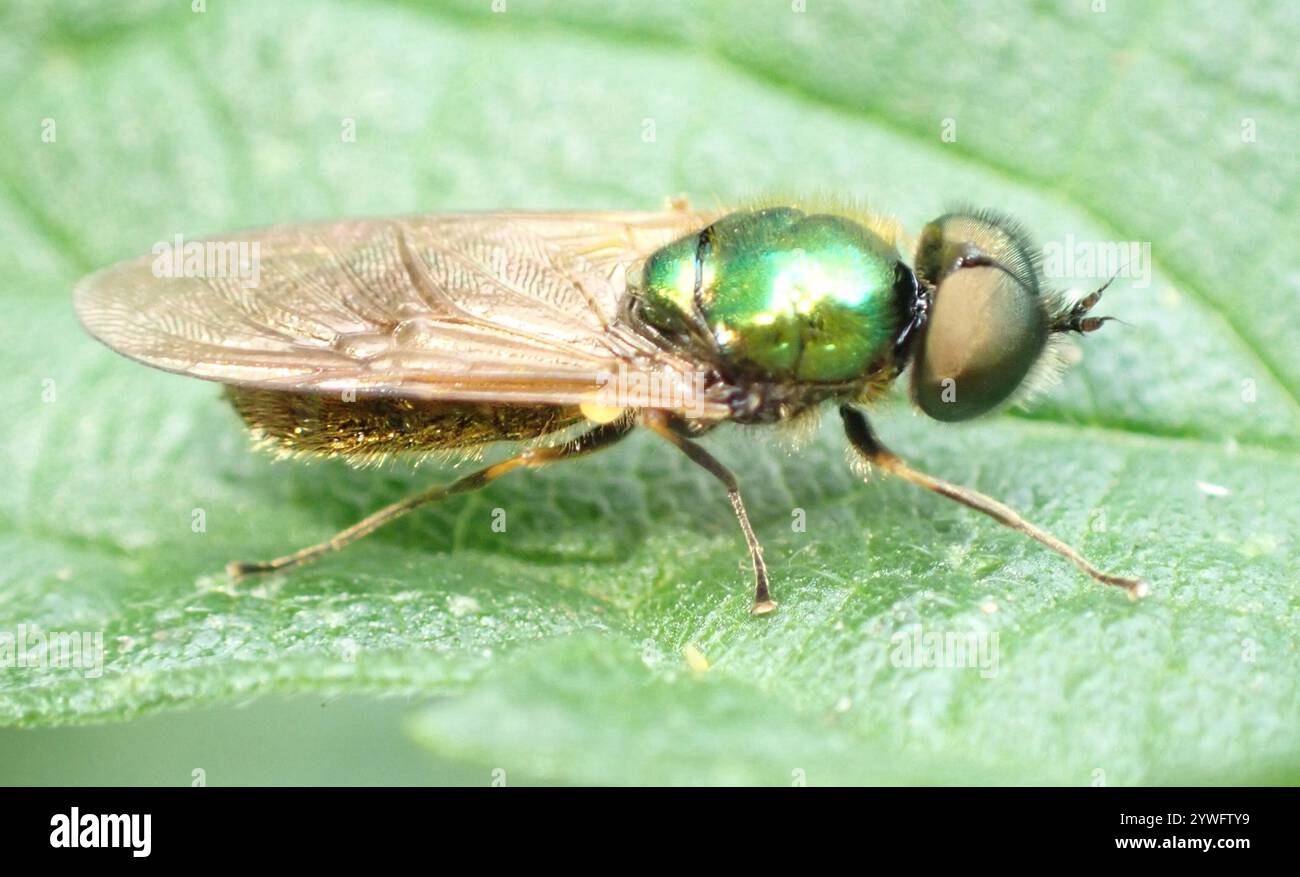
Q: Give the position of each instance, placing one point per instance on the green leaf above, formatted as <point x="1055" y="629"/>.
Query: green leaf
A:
<point x="556" y="650"/>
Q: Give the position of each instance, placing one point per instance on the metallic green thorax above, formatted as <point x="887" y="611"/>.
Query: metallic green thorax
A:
<point x="783" y="295"/>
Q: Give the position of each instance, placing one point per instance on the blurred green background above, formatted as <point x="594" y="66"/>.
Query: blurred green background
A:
<point x="440" y="651"/>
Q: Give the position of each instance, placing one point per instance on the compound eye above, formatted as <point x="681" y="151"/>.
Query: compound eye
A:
<point x="987" y="324"/>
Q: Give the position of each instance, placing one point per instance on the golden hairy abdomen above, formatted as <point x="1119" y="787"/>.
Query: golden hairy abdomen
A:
<point x="368" y="430"/>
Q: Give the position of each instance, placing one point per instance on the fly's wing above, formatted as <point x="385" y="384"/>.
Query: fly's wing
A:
<point x="511" y="308"/>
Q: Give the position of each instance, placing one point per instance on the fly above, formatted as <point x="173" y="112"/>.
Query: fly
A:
<point x="561" y="333"/>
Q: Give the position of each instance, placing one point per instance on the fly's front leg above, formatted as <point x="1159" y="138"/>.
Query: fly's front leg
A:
<point x="864" y="441"/>
<point x="658" y="422"/>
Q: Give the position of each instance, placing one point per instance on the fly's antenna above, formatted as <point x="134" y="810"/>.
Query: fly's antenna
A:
<point x="1076" y="318"/>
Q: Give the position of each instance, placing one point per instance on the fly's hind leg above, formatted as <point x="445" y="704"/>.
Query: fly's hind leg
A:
<point x="866" y="444"/>
<point x="659" y="423"/>
<point x="588" y="442"/>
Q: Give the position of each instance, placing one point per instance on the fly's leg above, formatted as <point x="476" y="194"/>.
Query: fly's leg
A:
<point x="658" y="421"/>
<point x="864" y="441"/>
<point x="588" y="442"/>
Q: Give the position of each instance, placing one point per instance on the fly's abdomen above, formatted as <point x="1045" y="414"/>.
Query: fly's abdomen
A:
<point x="368" y="430"/>
<point x="782" y="294"/>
